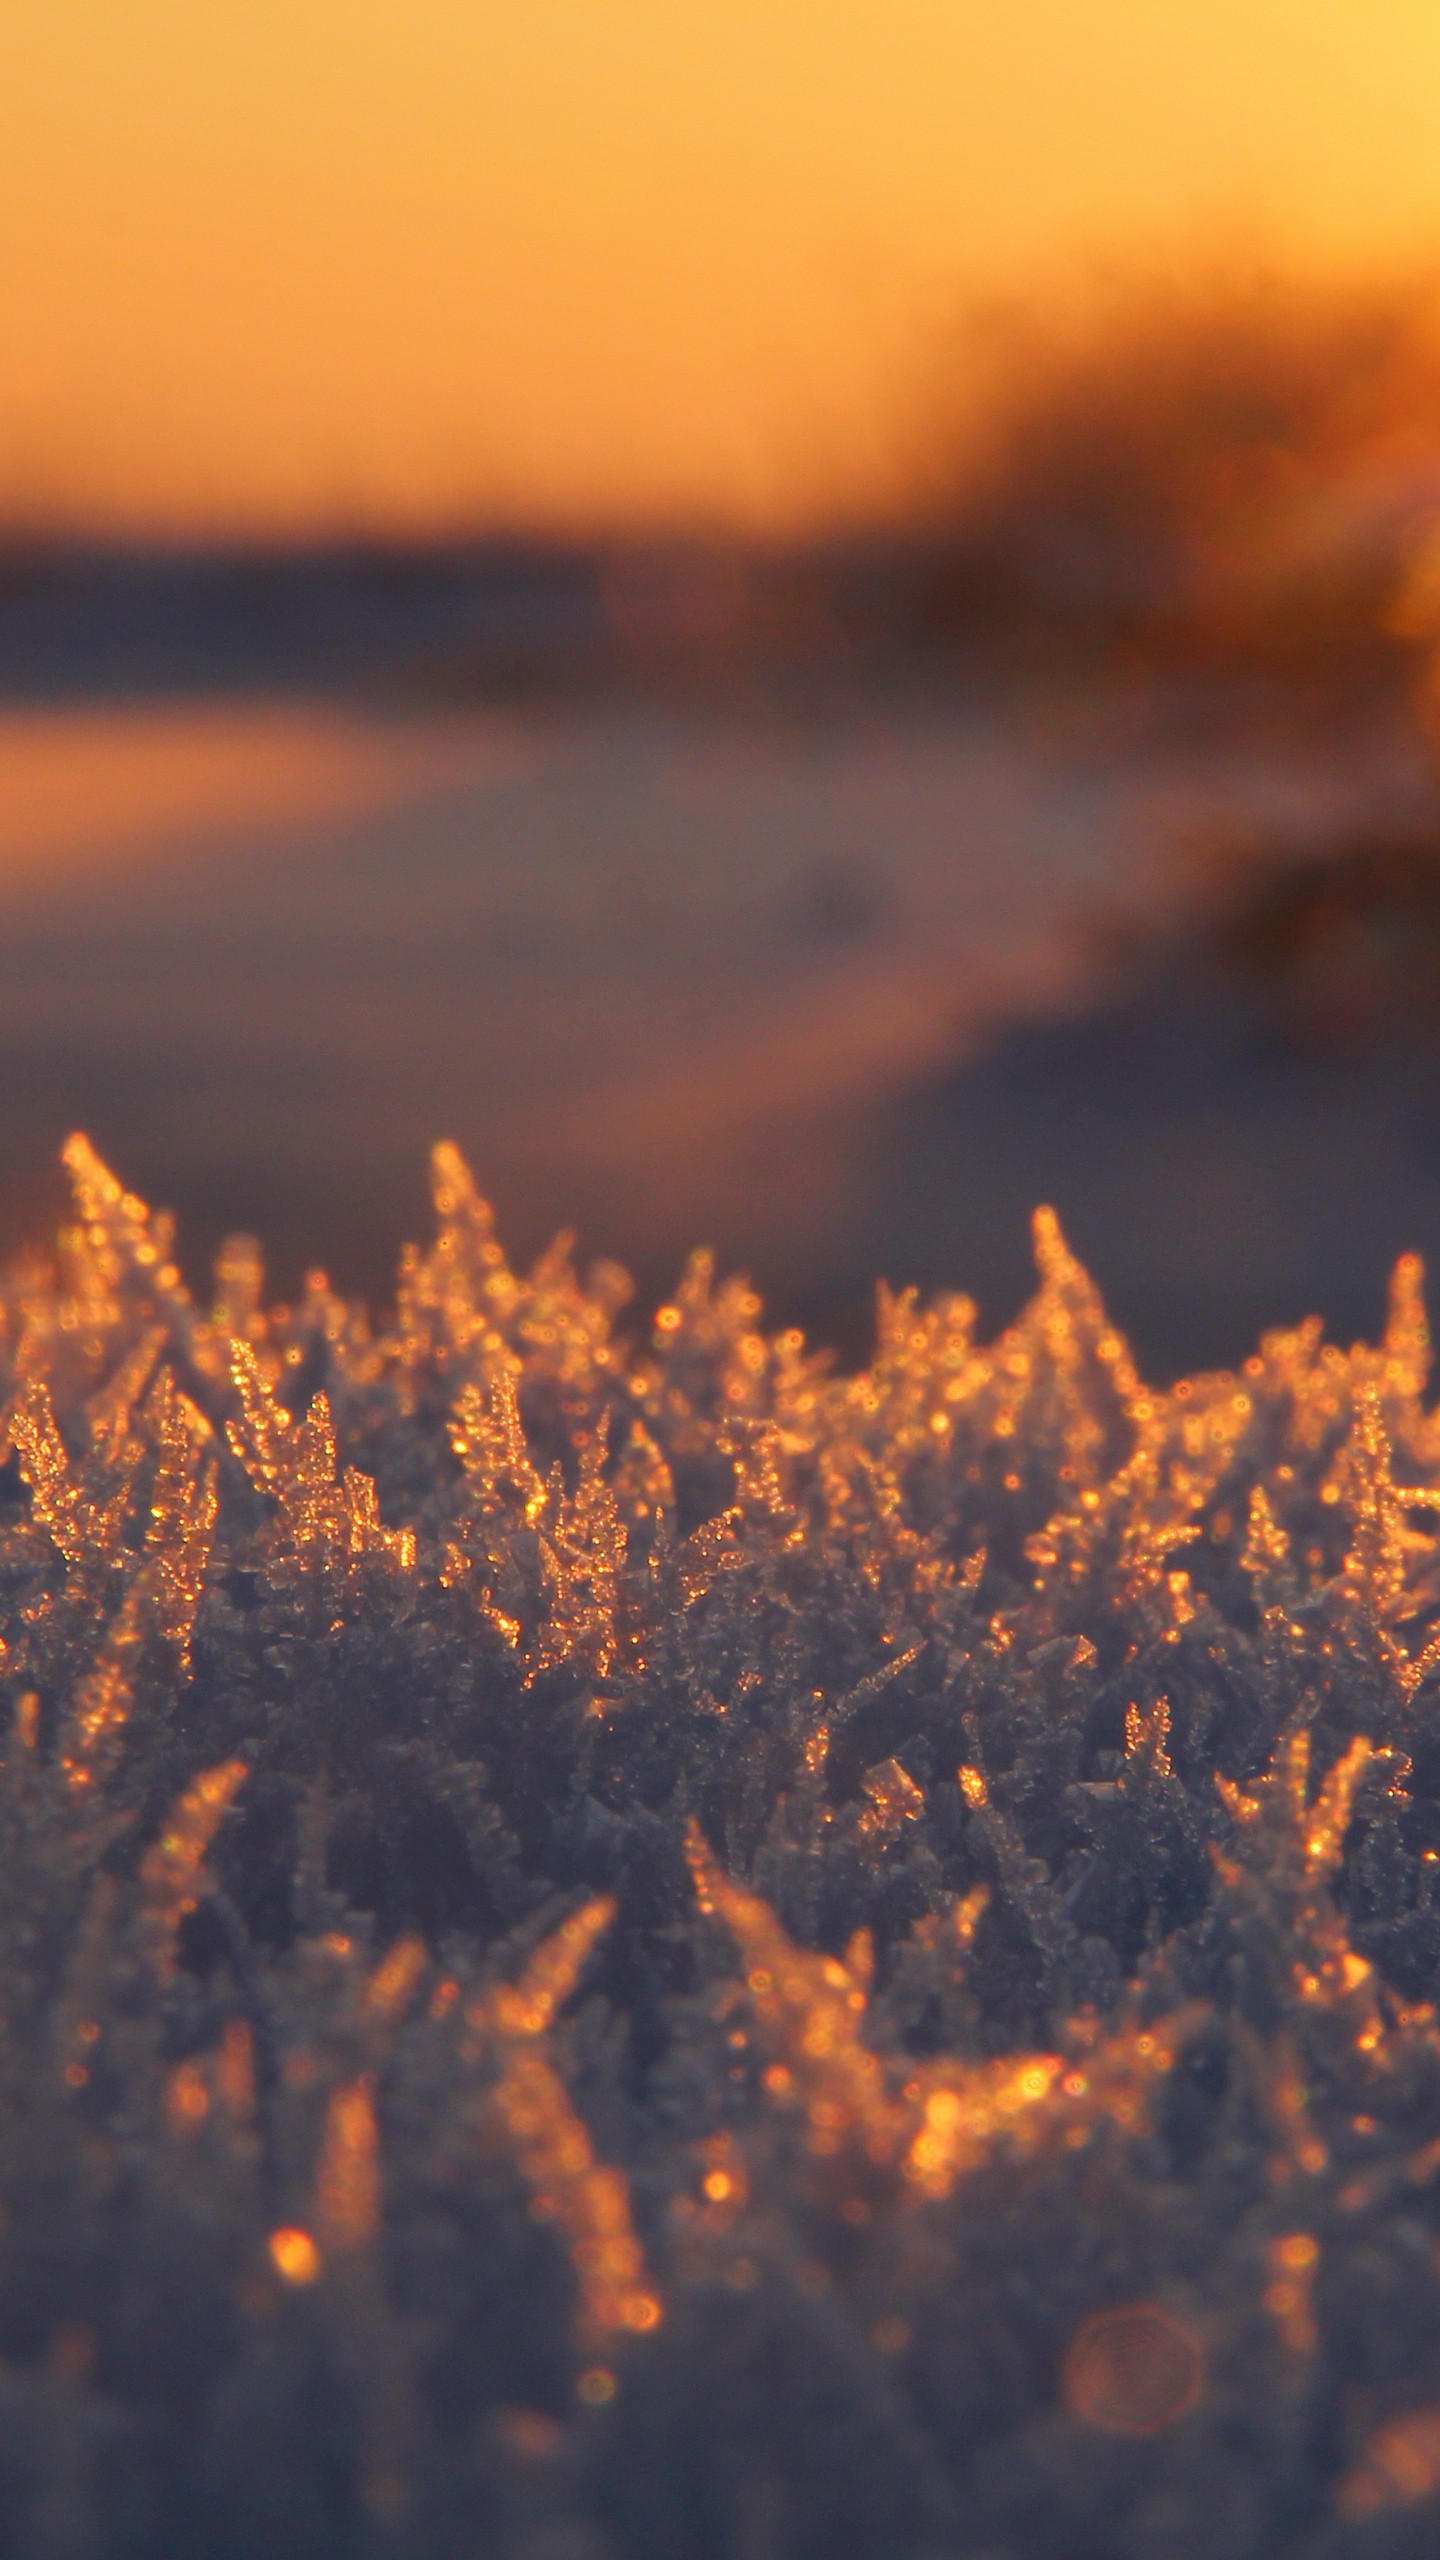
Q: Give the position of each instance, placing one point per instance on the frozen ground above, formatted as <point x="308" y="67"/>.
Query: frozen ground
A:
<point x="670" y="978"/>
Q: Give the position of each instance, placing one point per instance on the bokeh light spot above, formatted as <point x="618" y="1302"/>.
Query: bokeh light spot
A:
<point x="1133" y="2371"/>
<point x="295" y="2256"/>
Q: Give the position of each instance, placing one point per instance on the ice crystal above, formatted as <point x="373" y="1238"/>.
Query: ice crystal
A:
<point x="616" y="1943"/>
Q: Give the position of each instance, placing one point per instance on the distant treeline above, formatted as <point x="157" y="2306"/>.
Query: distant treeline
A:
<point x="1235" y="475"/>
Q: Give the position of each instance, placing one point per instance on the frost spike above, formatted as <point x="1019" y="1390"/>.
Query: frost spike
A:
<point x="103" y="1699"/>
<point x="184" y="1506"/>
<point x="132" y="1250"/>
<point x="529" y="2007"/>
<point x="589" y="2201"/>
<point x="347" y="2184"/>
<point x="171" y="1874"/>
<point x="1406" y="1347"/>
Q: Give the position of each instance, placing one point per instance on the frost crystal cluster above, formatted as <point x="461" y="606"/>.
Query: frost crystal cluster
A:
<point x="616" y="1947"/>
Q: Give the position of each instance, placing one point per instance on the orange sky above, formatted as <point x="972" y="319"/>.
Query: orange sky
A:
<point x="274" y="261"/>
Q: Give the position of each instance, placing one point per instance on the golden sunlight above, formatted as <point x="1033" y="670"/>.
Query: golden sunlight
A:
<point x="278" y="264"/>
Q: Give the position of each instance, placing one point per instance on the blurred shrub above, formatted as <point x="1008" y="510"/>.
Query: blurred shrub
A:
<point x="1238" y="471"/>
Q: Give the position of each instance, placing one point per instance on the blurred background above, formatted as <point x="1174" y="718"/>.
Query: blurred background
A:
<point x="803" y="626"/>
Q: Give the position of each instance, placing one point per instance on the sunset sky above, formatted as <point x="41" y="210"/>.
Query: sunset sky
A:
<point x="279" y="262"/>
